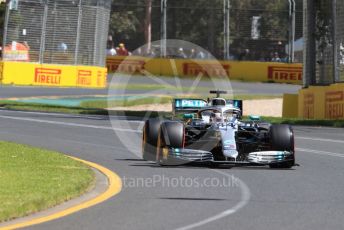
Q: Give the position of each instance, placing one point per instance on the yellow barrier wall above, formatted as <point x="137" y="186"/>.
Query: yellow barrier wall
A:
<point x="290" y="105"/>
<point x="25" y="73"/>
<point x="247" y="71"/>
<point x="322" y="102"/>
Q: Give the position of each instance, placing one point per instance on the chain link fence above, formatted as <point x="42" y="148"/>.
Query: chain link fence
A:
<point x="69" y="32"/>
<point x="324" y="32"/>
<point x="340" y="40"/>
<point x="258" y="31"/>
<point x="324" y="38"/>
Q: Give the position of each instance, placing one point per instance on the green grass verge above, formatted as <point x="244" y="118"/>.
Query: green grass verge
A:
<point x="34" y="179"/>
<point x="13" y="105"/>
<point x="102" y="104"/>
<point x="198" y="90"/>
<point x="256" y="96"/>
<point x="152" y="87"/>
<point x="305" y="122"/>
<point x="98" y="108"/>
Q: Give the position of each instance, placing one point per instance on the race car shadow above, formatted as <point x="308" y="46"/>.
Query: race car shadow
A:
<point x="203" y="165"/>
<point x="137" y="159"/>
<point x="189" y="165"/>
<point x="191" y="198"/>
<point x="260" y="168"/>
<point x="154" y="165"/>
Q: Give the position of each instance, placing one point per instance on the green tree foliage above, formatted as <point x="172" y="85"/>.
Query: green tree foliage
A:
<point x="125" y="24"/>
<point x="201" y="22"/>
<point x="2" y="20"/>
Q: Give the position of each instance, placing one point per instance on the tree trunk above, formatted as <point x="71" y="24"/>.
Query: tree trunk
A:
<point x="148" y="24"/>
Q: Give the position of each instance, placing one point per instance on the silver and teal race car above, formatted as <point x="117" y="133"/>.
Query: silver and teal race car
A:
<point x="211" y="131"/>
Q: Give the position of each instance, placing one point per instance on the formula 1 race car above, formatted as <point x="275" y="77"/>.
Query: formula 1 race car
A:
<point x="211" y="131"/>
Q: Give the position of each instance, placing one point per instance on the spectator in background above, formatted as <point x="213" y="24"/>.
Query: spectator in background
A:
<point x="121" y="50"/>
<point x="110" y="43"/>
<point x="150" y="53"/>
<point x="62" y="47"/>
<point x="192" y="54"/>
<point x="112" y="52"/>
<point x="110" y="47"/>
<point x="276" y="58"/>
<point x="181" y="53"/>
<point x="201" y="55"/>
<point x="284" y="58"/>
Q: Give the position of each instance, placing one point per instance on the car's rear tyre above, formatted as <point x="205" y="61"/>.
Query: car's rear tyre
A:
<point x="149" y="139"/>
<point x="171" y="135"/>
<point x="282" y="139"/>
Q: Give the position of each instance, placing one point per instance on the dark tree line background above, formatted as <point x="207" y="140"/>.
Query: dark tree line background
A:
<point x="137" y="22"/>
<point x="2" y="20"/>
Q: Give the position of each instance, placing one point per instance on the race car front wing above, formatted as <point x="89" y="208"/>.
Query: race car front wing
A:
<point x="191" y="155"/>
<point x="257" y="158"/>
<point x="269" y="157"/>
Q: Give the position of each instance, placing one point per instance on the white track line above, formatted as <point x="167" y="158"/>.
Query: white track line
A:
<point x="93" y="117"/>
<point x="51" y="114"/>
<point x="320" y="139"/>
<point x="320" y="152"/>
<point x="245" y="197"/>
<point x="70" y="124"/>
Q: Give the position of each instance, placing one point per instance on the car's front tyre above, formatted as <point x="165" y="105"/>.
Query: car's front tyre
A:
<point x="171" y="135"/>
<point x="149" y="139"/>
<point x="282" y="139"/>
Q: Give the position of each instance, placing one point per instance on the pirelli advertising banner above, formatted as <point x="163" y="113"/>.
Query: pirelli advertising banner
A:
<point x="23" y="73"/>
<point x="322" y="102"/>
<point x="246" y="71"/>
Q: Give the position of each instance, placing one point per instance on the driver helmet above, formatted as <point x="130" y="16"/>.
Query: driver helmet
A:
<point x="216" y="117"/>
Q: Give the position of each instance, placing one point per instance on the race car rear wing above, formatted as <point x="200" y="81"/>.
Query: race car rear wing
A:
<point x="184" y="105"/>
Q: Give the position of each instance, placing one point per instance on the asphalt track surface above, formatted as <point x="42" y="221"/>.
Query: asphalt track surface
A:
<point x="306" y="197"/>
<point x="238" y="88"/>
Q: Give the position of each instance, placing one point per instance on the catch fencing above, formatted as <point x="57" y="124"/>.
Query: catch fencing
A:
<point x="324" y="39"/>
<point x="68" y="32"/>
<point x="230" y="29"/>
